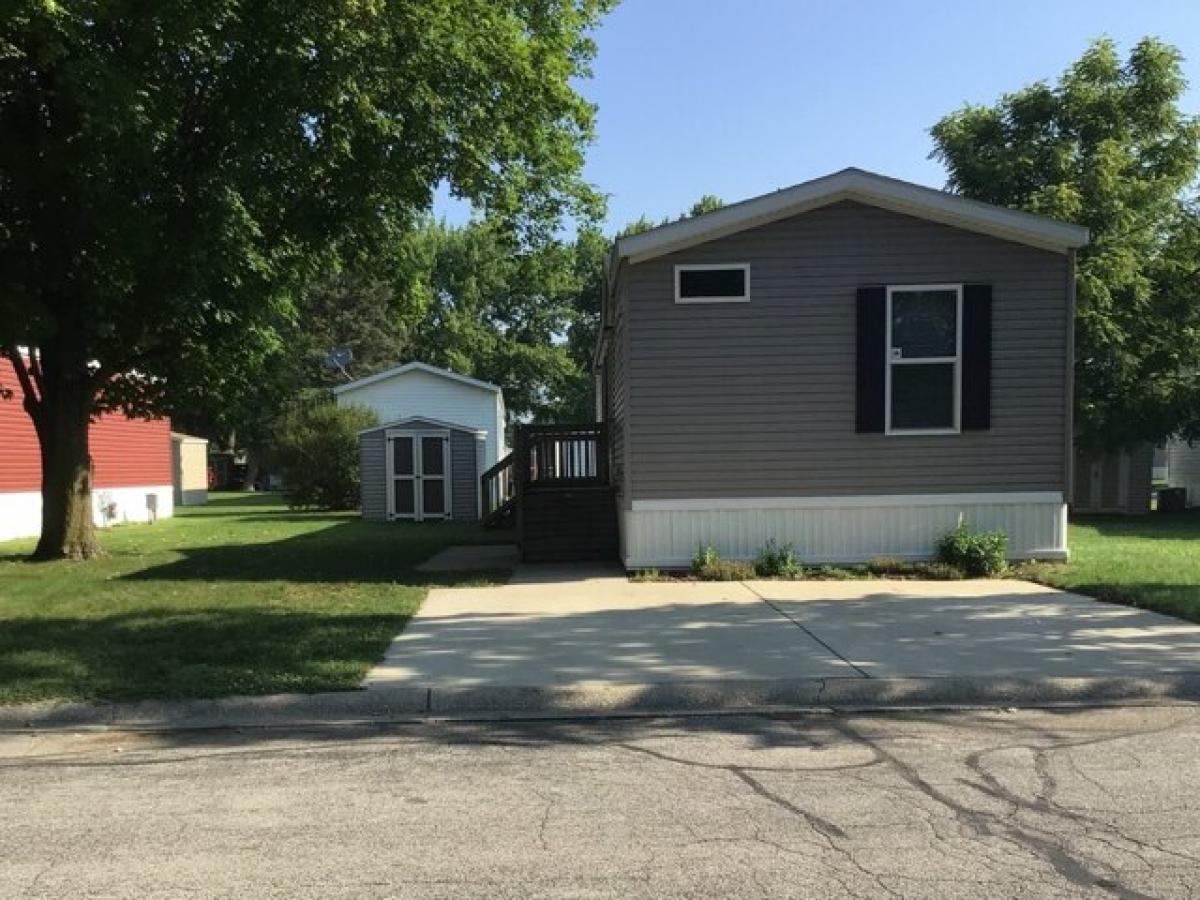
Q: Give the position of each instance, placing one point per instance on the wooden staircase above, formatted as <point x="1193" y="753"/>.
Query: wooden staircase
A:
<point x="554" y="489"/>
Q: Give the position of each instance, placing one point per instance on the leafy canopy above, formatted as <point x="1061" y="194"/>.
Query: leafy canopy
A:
<point x="1107" y="147"/>
<point x="173" y="174"/>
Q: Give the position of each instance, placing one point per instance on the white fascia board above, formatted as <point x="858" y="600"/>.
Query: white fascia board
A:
<point x="416" y="367"/>
<point x="865" y="187"/>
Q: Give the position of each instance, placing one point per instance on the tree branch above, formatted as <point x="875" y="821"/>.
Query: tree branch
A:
<point x="35" y="370"/>
<point x="33" y="400"/>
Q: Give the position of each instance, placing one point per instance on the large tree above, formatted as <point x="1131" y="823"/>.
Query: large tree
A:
<point x="1107" y="147"/>
<point x="172" y="173"/>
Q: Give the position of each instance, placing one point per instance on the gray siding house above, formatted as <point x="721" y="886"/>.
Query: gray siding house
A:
<point x="850" y="365"/>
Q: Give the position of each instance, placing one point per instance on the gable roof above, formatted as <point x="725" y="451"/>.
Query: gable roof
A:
<point x="429" y="420"/>
<point x="417" y="367"/>
<point x="864" y="187"/>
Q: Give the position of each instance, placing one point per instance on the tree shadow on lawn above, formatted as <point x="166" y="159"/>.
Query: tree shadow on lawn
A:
<point x="347" y="552"/>
<point x="1153" y="526"/>
<point x="204" y="652"/>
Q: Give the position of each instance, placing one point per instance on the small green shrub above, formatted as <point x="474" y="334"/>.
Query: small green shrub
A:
<point x="978" y="554"/>
<point x="316" y="451"/>
<point x="777" y="560"/>
<point x="890" y="565"/>
<point x="940" y="571"/>
<point x="706" y="557"/>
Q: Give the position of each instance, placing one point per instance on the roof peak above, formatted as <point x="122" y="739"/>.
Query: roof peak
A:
<point x="853" y="183"/>
<point x="416" y="366"/>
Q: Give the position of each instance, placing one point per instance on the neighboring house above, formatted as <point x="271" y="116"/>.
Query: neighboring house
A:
<point x="189" y="469"/>
<point x="1183" y="468"/>
<point x="850" y="365"/>
<point x="439" y="431"/>
<point x="1114" y="481"/>
<point x="131" y="460"/>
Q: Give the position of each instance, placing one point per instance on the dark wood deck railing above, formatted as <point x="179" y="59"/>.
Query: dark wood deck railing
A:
<point x="498" y="489"/>
<point x="550" y="456"/>
<point x="545" y="458"/>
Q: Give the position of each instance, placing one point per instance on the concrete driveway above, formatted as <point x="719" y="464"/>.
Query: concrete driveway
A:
<point x="575" y="627"/>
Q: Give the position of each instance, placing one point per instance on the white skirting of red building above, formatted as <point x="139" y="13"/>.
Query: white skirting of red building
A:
<point x="21" y="511"/>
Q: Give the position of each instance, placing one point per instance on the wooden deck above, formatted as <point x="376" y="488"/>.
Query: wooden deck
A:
<point x="554" y="489"/>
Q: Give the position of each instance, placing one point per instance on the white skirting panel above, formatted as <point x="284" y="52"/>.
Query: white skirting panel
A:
<point x="21" y="511"/>
<point x="666" y="533"/>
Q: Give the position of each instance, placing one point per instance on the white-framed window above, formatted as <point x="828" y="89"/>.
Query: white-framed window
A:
<point x="924" y="359"/>
<point x="712" y="283"/>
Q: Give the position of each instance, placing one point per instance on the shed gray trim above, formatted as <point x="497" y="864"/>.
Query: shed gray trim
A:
<point x="424" y="422"/>
<point x="864" y="187"/>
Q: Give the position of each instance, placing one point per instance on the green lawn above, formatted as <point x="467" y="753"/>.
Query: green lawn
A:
<point x="241" y="596"/>
<point x="1149" y="561"/>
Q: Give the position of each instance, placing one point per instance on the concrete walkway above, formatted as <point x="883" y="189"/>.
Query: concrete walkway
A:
<point x="568" y="642"/>
<point x="568" y="627"/>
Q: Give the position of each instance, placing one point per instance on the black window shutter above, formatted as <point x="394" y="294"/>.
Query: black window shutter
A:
<point x="871" y="335"/>
<point x="977" y="357"/>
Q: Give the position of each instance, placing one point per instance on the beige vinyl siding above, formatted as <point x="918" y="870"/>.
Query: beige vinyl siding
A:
<point x="757" y="399"/>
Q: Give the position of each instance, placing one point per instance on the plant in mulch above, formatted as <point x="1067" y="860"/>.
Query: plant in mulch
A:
<point x="777" y="560"/>
<point x="979" y="554"/>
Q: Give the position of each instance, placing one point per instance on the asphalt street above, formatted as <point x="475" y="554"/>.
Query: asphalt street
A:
<point x="988" y="804"/>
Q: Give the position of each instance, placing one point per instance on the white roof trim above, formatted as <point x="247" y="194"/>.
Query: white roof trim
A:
<point x="416" y="367"/>
<point x="864" y="187"/>
<point x="439" y="423"/>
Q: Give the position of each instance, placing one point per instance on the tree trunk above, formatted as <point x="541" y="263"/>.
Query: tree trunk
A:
<point x="68" y="530"/>
<point x="252" y="467"/>
<point x="59" y="396"/>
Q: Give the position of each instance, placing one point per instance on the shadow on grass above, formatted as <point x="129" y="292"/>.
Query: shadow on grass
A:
<point x="351" y="551"/>
<point x="203" y="652"/>
<point x="1171" y="526"/>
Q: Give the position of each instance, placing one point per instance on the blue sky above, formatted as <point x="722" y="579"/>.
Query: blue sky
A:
<point x="740" y="97"/>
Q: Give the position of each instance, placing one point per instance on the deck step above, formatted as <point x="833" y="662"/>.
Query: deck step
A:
<point x="565" y="524"/>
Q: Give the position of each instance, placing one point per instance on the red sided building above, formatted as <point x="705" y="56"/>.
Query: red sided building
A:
<point x="132" y="460"/>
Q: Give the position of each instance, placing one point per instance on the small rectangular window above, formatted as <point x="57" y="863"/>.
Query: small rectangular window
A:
<point x="714" y="283"/>
<point x="924" y="359"/>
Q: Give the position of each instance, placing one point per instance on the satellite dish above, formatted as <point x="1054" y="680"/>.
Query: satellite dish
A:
<point x="338" y="358"/>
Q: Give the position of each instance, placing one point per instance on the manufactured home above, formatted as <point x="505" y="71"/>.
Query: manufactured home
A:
<point x="850" y="365"/>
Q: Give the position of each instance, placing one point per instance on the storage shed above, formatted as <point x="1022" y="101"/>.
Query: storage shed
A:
<point x="1113" y="481"/>
<point x="417" y="390"/>
<point x="421" y="469"/>
<point x="189" y="467"/>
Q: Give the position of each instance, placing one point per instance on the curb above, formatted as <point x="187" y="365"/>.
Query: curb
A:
<point x="418" y="704"/>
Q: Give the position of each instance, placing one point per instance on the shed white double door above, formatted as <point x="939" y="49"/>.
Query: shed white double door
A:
<point x="418" y="475"/>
